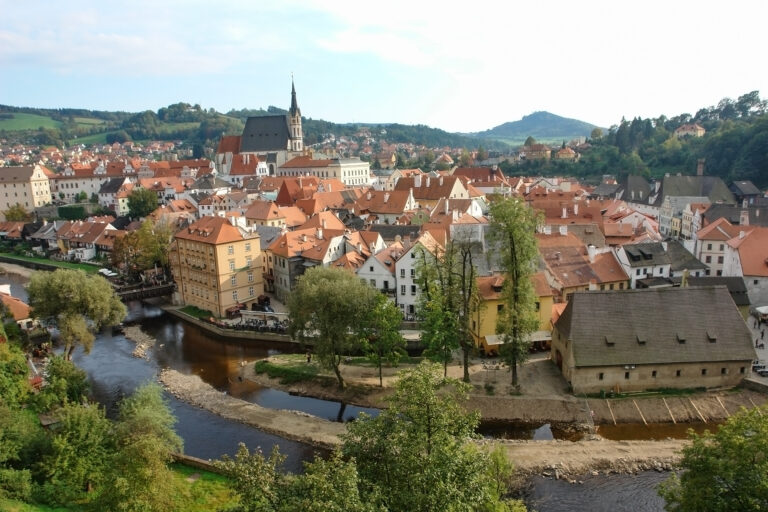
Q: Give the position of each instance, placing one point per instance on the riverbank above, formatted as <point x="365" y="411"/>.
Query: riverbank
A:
<point x="560" y="459"/>
<point x="294" y="425"/>
<point x="12" y="268"/>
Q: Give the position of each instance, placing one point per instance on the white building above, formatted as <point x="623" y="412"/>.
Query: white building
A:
<point x="407" y="296"/>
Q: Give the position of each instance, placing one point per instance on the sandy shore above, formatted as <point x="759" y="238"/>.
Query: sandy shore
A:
<point x="294" y="425"/>
<point x="12" y="268"/>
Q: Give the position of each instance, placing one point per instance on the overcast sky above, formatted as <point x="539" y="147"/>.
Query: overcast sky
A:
<point x="465" y="68"/>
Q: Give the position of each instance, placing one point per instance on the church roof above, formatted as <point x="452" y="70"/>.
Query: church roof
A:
<point x="265" y="133"/>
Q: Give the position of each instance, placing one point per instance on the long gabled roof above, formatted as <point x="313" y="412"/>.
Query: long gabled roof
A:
<point x="265" y="133"/>
<point x="655" y="326"/>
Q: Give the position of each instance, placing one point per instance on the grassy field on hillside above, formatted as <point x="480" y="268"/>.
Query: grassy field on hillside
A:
<point x="27" y="122"/>
<point x="98" y="138"/>
<point x="89" y="121"/>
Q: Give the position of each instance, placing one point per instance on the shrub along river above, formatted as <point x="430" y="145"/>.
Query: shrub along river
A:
<point x="115" y="373"/>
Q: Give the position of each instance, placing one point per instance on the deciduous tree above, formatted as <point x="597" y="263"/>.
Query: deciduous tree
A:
<point x="17" y="213"/>
<point x="513" y="228"/>
<point x="141" y="202"/>
<point x="138" y="476"/>
<point x="415" y="455"/>
<point x="724" y="471"/>
<point x="77" y="302"/>
<point x="384" y="343"/>
<point x="329" y="307"/>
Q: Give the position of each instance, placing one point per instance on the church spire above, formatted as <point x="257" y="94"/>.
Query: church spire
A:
<point x="294" y="105"/>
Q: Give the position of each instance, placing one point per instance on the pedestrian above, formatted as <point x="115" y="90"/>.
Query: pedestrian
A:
<point x="309" y="357"/>
<point x="755" y="342"/>
<point x="762" y="334"/>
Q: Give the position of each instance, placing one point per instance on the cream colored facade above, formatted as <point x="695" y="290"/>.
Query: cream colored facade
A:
<point x="27" y="186"/>
<point x="215" y="276"/>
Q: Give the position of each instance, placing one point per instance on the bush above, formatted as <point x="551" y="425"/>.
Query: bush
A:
<point x="16" y="484"/>
<point x="286" y="374"/>
<point x="74" y="212"/>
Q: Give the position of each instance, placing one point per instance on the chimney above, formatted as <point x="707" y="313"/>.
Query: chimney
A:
<point x="232" y="221"/>
<point x="303" y="237"/>
<point x="744" y="218"/>
<point x="322" y="223"/>
<point x="319" y="234"/>
<point x="359" y="248"/>
<point x="741" y="234"/>
<point x="565" y="212"/>
<point x="428" y="180"/>
<point x="563" y="230"/>
<point x="557" y="255"/>
<point x="441" y="180"/>
<point x="386" y="196"/>
<point x="368" y="195"/>
<point x="700" y="167"/>
<point x="417" y="181"/>
<point x="446" y="206"/>
<point x="576" y="209"/>
<point x="591" y="251"/>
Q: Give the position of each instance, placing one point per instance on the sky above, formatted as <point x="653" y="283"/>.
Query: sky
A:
<point x="458" y="66"/>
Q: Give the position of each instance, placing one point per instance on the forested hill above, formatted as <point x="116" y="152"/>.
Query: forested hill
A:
<point x="542" y="126"/>
<point x="734" y="147"/>
<point x="196" y="125"/>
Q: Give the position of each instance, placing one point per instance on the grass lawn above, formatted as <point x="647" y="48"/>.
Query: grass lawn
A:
<point x="98" y="138"/>
<point x="196" y="312"/>
<point x="295" y="369"/>
<point x="27" y="122"/>
<point x="196" y="491"/>
<point x="89" y="121"/>
<point x="17" y="506"/>
<point x="89" y="269"/>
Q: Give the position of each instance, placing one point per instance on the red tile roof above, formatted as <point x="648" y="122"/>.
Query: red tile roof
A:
<point x="211" y="230"/>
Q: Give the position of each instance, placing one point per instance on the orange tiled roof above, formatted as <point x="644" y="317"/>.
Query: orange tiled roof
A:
<point x="211" y="230"/>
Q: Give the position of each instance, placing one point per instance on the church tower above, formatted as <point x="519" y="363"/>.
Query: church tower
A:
<point x="294" y="122"/>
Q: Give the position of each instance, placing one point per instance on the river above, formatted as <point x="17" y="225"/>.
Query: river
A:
<point x="114" y="373"/>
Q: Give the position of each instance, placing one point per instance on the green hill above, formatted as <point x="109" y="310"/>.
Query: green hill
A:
<point x="542" y="126"/>
<point x="19" y="121"/>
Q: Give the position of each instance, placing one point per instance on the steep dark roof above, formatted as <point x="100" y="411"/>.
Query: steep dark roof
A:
<point x="735" y="285"/>
<point x="709" y="186"/>
<point x="389" y="232"/>
<point x="744" y="188"/>
<point x="265" y="133"/>
<point x="646" y="255"/>
<point x="681" y="258"/>
<point x="605" y="190"/>
<point x="655" y="326"/>
<point x="112" y="186"/>
<point x="758" y="215"/>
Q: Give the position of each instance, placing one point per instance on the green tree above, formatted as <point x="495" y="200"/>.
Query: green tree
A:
<point x="77" y="302"/>
<point x="80" y="449"/>
<point x="330" y="307"/>
<point x="14" y="387"/>
<point x="449" y="291"/>
<point x="94" y="198"/>
<point x="65" y="383"/>
<point x="258" y="481"/>
<point x="512" y="231"/>
<point x="415" y="455"/>
<point x="81" y="197"/>
<point x="384" y="343"/>
<point x="18" y="213"/>
<point x="597" y="134"/>
<point x="138" y="477"/>
<point x="724" y="471"/>
<point x="141" y="202"/>
<point x="327" y="486"/>
<point x="482" y="153"/>
<point x="530" y="141"/>
<point x="153" y="240"/>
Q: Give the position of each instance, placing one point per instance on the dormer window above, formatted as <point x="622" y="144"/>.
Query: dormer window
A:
<point x="609" y="341"/>
<point x="680" y="338"/>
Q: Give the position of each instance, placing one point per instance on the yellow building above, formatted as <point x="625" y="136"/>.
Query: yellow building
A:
<point x="216" y="265"/>
<point x="26" y="186"/>
<point x="484" y="317"/>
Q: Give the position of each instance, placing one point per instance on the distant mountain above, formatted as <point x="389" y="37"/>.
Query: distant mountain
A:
<point x="542" y="126"/>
